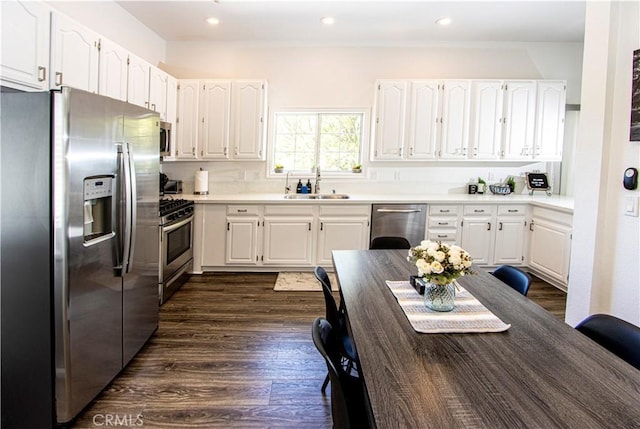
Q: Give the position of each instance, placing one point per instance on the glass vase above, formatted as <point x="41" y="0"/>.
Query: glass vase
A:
<point x="440" y="297"/>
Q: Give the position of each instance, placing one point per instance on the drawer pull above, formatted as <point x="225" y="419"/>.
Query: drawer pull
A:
<point x="443" y="223"/>
<point x="478" y="210"/>
<point x="444" y="211"/>
<point x="443" y="235"/>
<point x="513" y="210"/>
<point x="242" y="210"/>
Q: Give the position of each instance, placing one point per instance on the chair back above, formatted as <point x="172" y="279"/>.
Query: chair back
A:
<point x="514" y="277"/>
<point x="390" y="243"/>
<point x="325" y="341"/>
<point x="616" y="335"/>
<point x="331" y="309"/>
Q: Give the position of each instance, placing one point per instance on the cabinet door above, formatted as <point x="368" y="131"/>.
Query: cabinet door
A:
<point x="550" y="249"/>
<point x="158" y="91"/>
<point x="242" y="240"/>
<point x="519" y="120"/>
<point x="486" y="119"/>
<point x="215" y="108"/>
<point x="288" y="240"/>
<point x="346" y="233"/>
<point x="113" y="70"/>
<point x="509" y="246"/>
<point x="478" y="238"/>
<point x="75" y="55"/>
<point x="422" y="130"/>
<point x="455" y="119"/>
<point x="187" y="120"/>
<point x="390" y="113"/>
<point x="249" y="105"/>
<point x="209" y="246"/>
<point x="138" y="82"/>
<point x="550" y="111"/>
<point x="25" y="44"/>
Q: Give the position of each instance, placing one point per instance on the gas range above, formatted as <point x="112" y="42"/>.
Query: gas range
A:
<point x="172" y="210"/>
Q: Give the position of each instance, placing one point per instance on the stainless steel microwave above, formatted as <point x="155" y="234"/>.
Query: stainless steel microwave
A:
<point x="165" y="139"/>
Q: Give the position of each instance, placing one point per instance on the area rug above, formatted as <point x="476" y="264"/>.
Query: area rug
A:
<point x="301" y="282"/>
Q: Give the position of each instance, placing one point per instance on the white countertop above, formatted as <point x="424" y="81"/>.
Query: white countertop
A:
<point x="539" y="199"/>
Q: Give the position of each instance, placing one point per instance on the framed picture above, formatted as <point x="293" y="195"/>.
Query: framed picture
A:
<point x="634" y="132"/>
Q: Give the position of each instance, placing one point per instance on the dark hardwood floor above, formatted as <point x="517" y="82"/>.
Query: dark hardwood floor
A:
<point x="230" y="352"/>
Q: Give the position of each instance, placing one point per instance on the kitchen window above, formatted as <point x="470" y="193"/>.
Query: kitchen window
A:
<point x="331" y="139"/>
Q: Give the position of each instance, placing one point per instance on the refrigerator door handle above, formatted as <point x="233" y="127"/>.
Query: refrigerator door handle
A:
<point x="120" y="211"/>
<point x="132" y="209"/>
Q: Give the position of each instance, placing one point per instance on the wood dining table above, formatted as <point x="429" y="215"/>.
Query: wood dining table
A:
<point x="540" y="373"/>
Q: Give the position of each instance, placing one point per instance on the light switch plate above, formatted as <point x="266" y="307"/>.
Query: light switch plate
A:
<point x="631" y="206"/>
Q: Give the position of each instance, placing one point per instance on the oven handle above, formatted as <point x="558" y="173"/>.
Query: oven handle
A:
<point x="177" y="225"/>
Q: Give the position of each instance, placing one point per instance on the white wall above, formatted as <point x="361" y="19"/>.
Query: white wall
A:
<point x="111" y="21"/>
<point x="317" y="76"/>
<point x="605" y="272"/>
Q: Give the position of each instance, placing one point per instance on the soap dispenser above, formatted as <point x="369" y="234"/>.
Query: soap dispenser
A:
<point x="299" y="187"/>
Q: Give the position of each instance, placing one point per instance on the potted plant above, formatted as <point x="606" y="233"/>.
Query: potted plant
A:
<point x="511" y="182"/>
<point x="481" y="185"/>
<point x="356" y="168"/>
<point x="278" y="168"/>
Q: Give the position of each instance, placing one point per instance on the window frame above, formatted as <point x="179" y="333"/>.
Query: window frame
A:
<point x="364" y="142"/>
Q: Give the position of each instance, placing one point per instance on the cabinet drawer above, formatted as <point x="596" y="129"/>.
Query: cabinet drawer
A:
<point x="442" y="235"/>
<point x="243" y="210"/>
<point x="479" y="210"/>
<point x="515" y="210"/>
<point x="443" y="210"/>
<point x="443" y="222"/>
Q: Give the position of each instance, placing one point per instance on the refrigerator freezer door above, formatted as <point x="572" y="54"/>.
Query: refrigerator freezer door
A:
<point x="140" y="292"/>
<point x="88" y="293"/>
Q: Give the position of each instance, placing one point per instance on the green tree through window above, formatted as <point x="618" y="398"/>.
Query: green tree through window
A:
<point x="332" y="140"/>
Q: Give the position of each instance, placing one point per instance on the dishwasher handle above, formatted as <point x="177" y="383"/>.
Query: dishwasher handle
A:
<point x="398" y="210"/>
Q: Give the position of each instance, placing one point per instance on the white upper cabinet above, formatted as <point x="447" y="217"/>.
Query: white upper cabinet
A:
<point x="550" y="112"/>
<point x="215" y="112"/>
<point x="487" y="101"/>
<point x="158" y="91"/>
<point x="113" y="70"/>
<point x="25" y="53"/>
<point x="221" y="119"/>
<point x="423" y="131"/>
<point x="138" y="82"/>
<point x="248" y="112"/>
<point x="188" y="119"/>
<point x="455" y="119"/>
<point x="75" y="55"/>
<point x="389" y="123"/>
<point x="519" y="119"/>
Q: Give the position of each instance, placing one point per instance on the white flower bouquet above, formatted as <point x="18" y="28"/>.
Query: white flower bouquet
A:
<point x="439" y="263"/>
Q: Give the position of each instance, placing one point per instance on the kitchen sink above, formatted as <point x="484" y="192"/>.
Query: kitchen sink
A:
<point x="316" y="196"/>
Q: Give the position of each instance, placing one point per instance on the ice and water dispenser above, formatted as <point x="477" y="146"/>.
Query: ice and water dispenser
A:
<point x="98" y="203"/>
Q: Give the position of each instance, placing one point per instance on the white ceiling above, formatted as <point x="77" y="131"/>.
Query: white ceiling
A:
<point x="363" y="22"/>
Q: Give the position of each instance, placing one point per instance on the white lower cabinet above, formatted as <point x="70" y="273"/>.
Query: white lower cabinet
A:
<point x="550" y="245"/>
<point x="282" y="235"/>
<point x="442" y="224"/>
<point x="342" y="228"/>
<point x="288" y="235"/>
<point x="478" y="235"/>
<point x="510" y="235"/>
<point x="243" y="235"/>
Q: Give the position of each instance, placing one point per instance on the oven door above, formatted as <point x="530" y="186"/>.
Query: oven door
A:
<point x="176" y="247"/>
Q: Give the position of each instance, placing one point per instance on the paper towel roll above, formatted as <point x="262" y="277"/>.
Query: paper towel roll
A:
<point x="202" y="182"/>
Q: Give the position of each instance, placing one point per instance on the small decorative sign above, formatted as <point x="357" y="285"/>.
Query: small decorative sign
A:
<point x="538" y="182"/>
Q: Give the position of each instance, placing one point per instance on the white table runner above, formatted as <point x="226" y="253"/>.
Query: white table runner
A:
<point x="469" y="315"/>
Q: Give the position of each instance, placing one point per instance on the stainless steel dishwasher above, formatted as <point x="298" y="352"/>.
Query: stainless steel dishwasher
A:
<point x="399" y="220"/>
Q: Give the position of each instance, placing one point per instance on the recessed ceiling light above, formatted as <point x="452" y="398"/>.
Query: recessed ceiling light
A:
<point x="328" y="20"/>
<point x="443" y="21"/>
<point x="213" y="20"/>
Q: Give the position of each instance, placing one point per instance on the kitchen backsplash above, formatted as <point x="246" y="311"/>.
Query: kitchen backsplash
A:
<point x="251" y="177"/>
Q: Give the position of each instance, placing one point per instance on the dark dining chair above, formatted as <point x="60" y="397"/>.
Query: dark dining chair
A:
<point x="616" y="335"/>
<point x="514" y="277"/>
<point x="337" y="319"/>
<point x="347" y="391"/>
<point x="390" y="243"/>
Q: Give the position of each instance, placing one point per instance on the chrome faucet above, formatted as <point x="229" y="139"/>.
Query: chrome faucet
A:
<point x="316" y="189"/>
<point x="287" y="188"/>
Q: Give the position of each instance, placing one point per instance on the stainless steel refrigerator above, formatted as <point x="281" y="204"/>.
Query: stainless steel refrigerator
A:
<point x="79" y="241"/>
